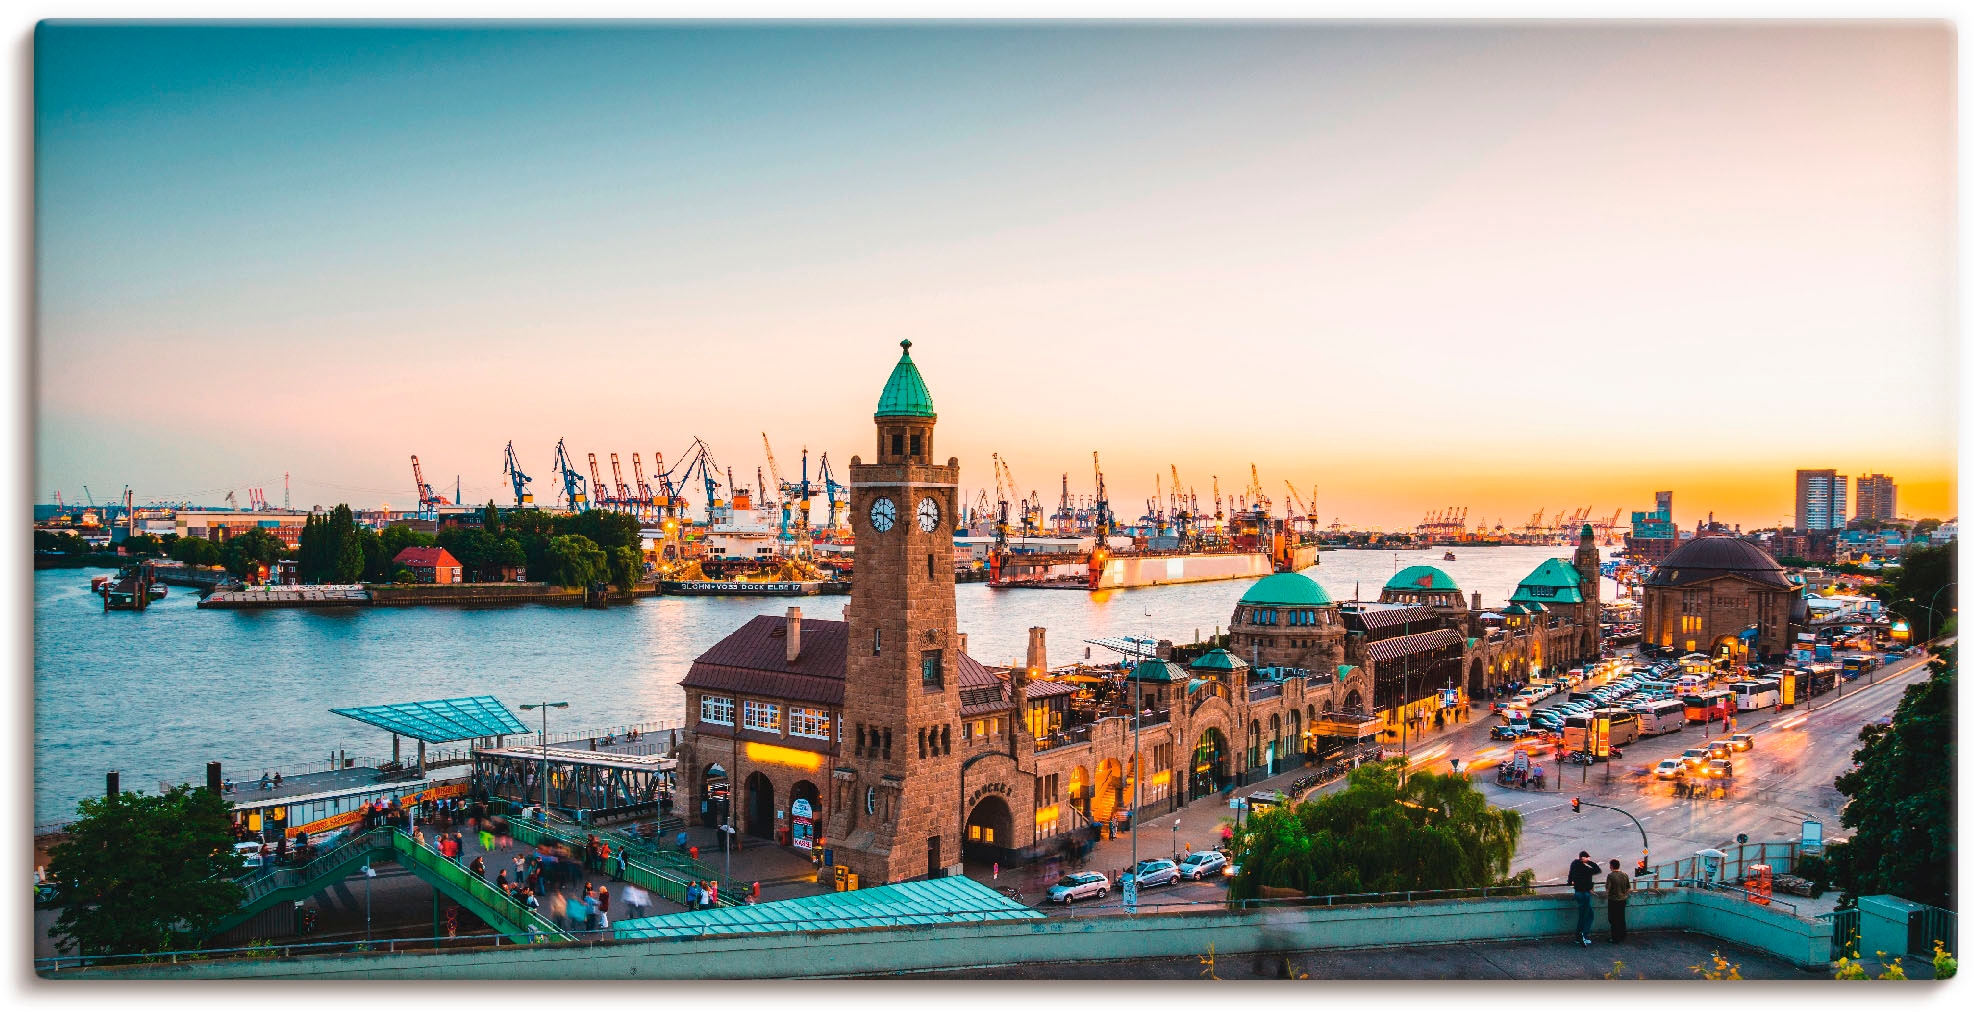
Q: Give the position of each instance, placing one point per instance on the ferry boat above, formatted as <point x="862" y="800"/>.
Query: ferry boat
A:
<point x="1450" y="556"/>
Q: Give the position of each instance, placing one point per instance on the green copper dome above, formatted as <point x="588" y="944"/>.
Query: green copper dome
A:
<point x="906" y="395"/>
<point x="1287" y="589"/>
<point x="1421" y="578"/>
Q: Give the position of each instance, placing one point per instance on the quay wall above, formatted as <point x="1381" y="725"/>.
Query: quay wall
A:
<point x="391" y="595"/>
<point x="890" y="950"/>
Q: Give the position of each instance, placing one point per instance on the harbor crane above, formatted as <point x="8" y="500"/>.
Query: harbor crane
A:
<point x="619" y="482"/>
<point x="1103" y="515"/>
<point x="575" y="498"/>
<point x="639" y="482"/>
<point x="835" y="494"/>
<point x="427" y="499"/>
<point x="517" y="479"/>
<point x="1310" y="507"/>
<point x="600" y="495"/>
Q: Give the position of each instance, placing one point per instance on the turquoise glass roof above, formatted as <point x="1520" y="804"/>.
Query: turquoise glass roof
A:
<point x="437" y="720"/>
<point x="905" y="394"/>
<point x="1219" y="660"/>
<point x="1287" y="589"/>
<point x="1421" y="578"/>
<point x="952" y="900"/>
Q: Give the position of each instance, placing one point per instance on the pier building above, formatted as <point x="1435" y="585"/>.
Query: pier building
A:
<point x="1722" y="595"/>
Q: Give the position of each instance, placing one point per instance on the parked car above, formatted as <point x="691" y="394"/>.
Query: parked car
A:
<point x="1741" y="742"/>
<point x="1079" y="885"/>
<point x="1158" y="871"/>
<point x="1512" y="732"/>
<point x="1203" y="864"/>
<point x="1670" y="769"/>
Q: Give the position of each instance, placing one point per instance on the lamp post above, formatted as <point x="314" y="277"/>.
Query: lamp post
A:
<point x="1930" y="628"/>
<point x="543" y="766"/>
<point x="1172" y="837"/>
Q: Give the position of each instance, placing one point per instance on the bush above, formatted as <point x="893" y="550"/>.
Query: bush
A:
<point x="1815" y="870"/>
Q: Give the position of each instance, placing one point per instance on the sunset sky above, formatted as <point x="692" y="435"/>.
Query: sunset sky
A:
<point x="1508" y="267"/>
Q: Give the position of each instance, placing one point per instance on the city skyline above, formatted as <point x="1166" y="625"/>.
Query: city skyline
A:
<point x="1507" y="267"/>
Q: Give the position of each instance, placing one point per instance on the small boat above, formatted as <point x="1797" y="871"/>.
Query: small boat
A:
<point x="96" y="583"/>
<point x="157" y="592"/>
<point x="1450" y="556"/>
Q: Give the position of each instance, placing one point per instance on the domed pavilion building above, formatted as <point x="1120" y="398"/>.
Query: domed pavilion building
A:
<point x="1722" y="596"/>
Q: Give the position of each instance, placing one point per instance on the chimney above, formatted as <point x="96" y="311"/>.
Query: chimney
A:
<point x="962" y="643"/>
<point x="110" y="785"/>
<point x="1477" y="601"/>
<point x="793" y="623"/>
<point x="213" y="777"/>
<point x="1034" y="652"/>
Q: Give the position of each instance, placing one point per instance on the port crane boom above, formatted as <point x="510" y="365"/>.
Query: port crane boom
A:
<point x="639" y="482"/>
<point x="517" y="479"/>
<point x="574" y="495"/>
<point x="600" y="495"/>
<point x="619" y="482"/>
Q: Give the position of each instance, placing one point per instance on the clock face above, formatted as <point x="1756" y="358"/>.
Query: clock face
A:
<point x="929" y="514"/>
<point x="882" y="514"/>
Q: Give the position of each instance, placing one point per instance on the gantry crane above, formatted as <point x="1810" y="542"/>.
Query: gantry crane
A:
<point x="427" y="500"/>
<point x="600" y="494"/>
<point x="645" y="501"/>
<point x="1103" y="515"/>
<point x="625" y="500"/>
<point x="835" y="498"/>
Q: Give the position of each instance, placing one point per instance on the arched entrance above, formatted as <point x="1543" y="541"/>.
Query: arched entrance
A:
<point x="987" y="834"/>
<point x="1353" y="703"/>
<point x="714" y="795"/>
<point x="1079" y="791"/>
<point x="759" y="806"/>
<point x="805" y="814"/>
<point x="1476" y="681"/>
<point x="1209" y="770"/>
<point x="1254" y="751"/>
<point x="1274" y="747"/>
<point x="1296" y="745"/>
<point x="1107" y="791"/>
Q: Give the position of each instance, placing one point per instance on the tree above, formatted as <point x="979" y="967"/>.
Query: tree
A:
<point x="1901" y="798"/>
<point x="60" y="541"/>
<point x="1437" y="832"/>
<point x="143" y="544"/>
<point x="145" y="873"/>
<point x="1924" y="590"/>
<point x="625" y="566"/>
<point x="250" y="548"/>
<point x="491" y="519"/>
<point x="195" y="551"/>
<point x="572" y="560"/>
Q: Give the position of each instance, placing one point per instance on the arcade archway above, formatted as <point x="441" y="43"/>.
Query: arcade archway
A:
<point x="714" y="800"/>
<point x="1209" y="769"/>
<point x="806" y="816"/>
<point x="987" y="833"/>
<point x="1475" y="682"/>
<point x="759" y="806"/>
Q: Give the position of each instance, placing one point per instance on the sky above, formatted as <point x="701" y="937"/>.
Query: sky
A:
<point x="1506" y="267"/>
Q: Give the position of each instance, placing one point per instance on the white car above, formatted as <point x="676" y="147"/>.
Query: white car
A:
<point x="1203" y="864"/>
<point x="1670" y="769"/>
<point x="250" y="854"/>
<point x="1158" y="871"/>
<point x="1078" y="886"/>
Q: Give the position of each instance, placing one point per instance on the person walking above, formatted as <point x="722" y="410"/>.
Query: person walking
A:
<point x="1581" y="876"/>
<point x="619" y="865"/>
<point x="1618" y="886"/>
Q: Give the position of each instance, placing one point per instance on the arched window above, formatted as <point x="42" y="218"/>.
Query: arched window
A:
<point x="872" y="799"/>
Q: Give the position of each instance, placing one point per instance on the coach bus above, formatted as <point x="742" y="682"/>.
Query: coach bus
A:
<point x="1704" y="707"/>
<point x="1661" y="717"/>
<point x="1755" y="695"/>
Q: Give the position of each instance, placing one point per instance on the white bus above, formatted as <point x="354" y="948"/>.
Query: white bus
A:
<point x="1661" y="717"/>
<point x="1755" y="695"/>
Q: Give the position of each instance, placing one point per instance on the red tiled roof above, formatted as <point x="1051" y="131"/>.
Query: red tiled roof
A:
<point x="1395" y="647"/>
<point x="417" y="556"/>
<point x="751" y="660"/>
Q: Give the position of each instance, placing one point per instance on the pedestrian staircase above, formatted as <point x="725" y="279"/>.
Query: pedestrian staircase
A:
<point x="287" y="885"/>
<point x="656" y="869"/>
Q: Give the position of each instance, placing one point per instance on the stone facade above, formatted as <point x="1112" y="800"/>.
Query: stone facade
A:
<point x="1721" y="595"/>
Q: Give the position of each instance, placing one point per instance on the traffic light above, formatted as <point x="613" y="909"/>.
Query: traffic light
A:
<point x="1575" y="804"/>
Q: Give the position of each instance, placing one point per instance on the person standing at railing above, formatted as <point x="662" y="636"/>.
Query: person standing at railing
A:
<point x="1581" y="876"/>
<point x="1618" y="886"/>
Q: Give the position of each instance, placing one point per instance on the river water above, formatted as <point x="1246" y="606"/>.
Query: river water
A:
<point x="158" y="694"/>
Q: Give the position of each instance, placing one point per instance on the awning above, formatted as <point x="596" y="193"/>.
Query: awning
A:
<point x="952" y="900"/>
<point x="1345" y="725"/>
<point x="439" y="720"/>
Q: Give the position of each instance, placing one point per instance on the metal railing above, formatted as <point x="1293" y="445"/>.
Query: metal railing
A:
<point x="1845" y="926"/>
<point x="537" y="927"/>
<point x="1932" y="924"/>
<point x="1264" y="690"/>
<point x="1076" y="735"/>
<point x="1407" y="896"/>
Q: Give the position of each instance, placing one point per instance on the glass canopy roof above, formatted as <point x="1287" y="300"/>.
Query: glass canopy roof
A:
<point x="438" y="720"/>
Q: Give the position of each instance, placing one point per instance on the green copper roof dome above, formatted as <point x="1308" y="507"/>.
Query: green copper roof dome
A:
<point x="1219" y="660"/>
<point x="1421" y="578"/>
<point x="906" y="395"/>
<point x="1287" y="588"/>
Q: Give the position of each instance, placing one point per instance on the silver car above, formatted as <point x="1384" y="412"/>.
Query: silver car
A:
<point x="1203" y="864"/>
<point x="1078" y="886"/>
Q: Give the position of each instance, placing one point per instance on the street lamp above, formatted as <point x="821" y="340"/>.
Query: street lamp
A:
<point x="1172" y="837"/>
<point x="543" y="766"/>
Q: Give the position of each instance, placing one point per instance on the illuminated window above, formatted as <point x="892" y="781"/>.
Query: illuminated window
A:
<point x="810" y="723"/>
<point x="762" y="717"/>
<point x="718" y="710"/>
<point x="872" y="799"/>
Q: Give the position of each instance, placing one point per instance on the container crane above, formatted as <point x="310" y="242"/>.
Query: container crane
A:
<point x="619" y="481"/>
<point x="517" y="479"/>
<point x="427" y="500"/>
<point x="1103" y="516"/>
<point x="835" y="494"/>
<point x="575" y="498"/>
<point x="639" y="482"/>
<point x="600" y="495"/>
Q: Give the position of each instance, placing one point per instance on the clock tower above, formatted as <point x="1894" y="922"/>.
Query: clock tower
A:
<point x="897" y="786"/>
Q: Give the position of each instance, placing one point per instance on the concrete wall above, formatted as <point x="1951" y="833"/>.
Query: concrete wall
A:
<point x="893" y="950"/>
<point x="473" y="593"/>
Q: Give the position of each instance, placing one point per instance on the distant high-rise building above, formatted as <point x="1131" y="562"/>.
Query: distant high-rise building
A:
<point x="1652" y="533"/>
<point x="1876" y="497"/>
<point x="1821" y="500"/>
